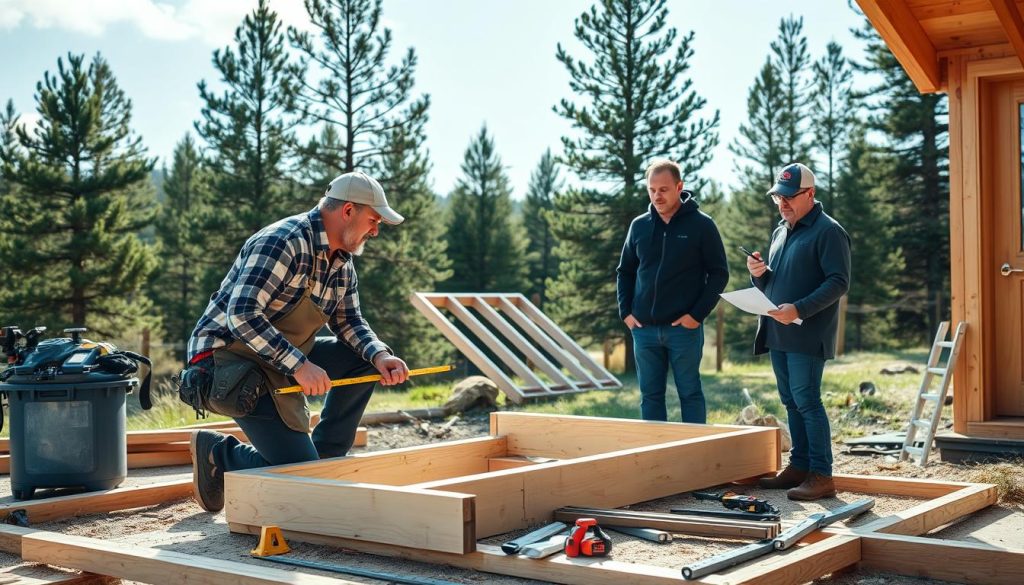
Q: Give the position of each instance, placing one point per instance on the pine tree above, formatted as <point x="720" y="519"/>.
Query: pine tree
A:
<point x="833" y="118"/>
<point x="791" y="60"/>
<point x="248" y="137"/>
<point x="83" y="195"/>
<point x="915" y="129"/>
<point x="487" y="246"/>
<point x="635" y="103"/>
<point x="177" y="286"/>
<point x="545" y="183"/>
<point x="345" y="82"/>
<point x="751" y="216"/>
<point x="406" y="258"/>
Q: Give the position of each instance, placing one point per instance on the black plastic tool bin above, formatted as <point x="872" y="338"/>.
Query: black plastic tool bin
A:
<point x="68" y="435"/>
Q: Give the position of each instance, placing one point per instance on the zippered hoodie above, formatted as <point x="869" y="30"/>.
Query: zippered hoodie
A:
<point x="670" y="270"/>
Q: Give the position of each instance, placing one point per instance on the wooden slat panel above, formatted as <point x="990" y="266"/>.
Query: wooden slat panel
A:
<point x="956" y="561"/>
<point x="556" y="333"/>
<point x="906" y="39"/>
<point x="62" y="507"/>
<point x="404" y="466"/>
<point x="531" y="353"/>
<point x="964" y="30"/>
<point x="433" y="520"/>
<point x="565" y="437"/>
<point x="150" y="565"/>
<point x="543" y="340"/>
<point x="925" y="9"/>
<point x="427" y="305"/>
<point x="500" y="349"/>
<point x="614" y="479"/>
<point x="896" y="486"/>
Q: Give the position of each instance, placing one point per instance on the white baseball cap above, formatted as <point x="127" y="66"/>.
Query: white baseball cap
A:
<point x="358" y="187"/>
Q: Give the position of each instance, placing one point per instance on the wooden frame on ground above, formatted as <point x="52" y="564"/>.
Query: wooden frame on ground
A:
<point x="566" y="367"/>
<point x="432" y="503"/>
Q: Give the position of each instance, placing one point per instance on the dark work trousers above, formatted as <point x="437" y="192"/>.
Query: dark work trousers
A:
<point x="273" y="443"/>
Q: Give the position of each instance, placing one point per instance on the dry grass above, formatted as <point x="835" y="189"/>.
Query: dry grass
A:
<point x="1008" y="479"/>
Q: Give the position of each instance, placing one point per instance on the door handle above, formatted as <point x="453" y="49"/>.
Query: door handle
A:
<point x="1005" y="269"/>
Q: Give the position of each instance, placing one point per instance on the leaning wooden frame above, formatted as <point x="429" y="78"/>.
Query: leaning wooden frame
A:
<point x="432" y="503"/>
<point x="514" y="323"/>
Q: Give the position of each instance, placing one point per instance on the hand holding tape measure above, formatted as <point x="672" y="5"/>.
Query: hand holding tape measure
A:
<point x="370" y="378"/>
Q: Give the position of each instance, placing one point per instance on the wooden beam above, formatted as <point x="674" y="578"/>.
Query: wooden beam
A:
<point x="896" y="486"/>
<point x="1013" y="24"/>
<point x="517" y="339"/>
<point x="62" y="507"/>
<point x="906" y="39"/>
<point x="566" y="436"/>
<point x="151" y="565"/>
<point x="929" y="515"/>
<point x="54" y="577"/>
<point x="516" y="498"/>
<point x="432" y="520"/>
<point x="932" y="558"/>
<point x="404" y="466"/>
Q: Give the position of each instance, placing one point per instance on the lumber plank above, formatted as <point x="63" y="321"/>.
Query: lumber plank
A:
<point x="405" y="466"/>
<point x="796" y="566"/>
<point x="149" y="565"/>
<point x="490" y="559"/>
<point x="564" y="437"/>
<point x="956" y="561"/>
<point x="896" y="486"/>
<point x="62" y="507"/>
<point x="427" y="519"/>
<point x="520" y="342"/>
<point x="929" y="515"/>
<point x="11" y="577"/>
<point x="515" y="498"/>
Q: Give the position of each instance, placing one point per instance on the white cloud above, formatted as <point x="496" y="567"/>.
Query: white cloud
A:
<point x="212" y="22"/>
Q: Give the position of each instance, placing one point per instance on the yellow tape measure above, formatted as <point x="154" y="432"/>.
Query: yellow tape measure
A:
<point x="371" y="378"/>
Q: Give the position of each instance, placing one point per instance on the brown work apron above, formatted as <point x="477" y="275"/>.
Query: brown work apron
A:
<point x="299" y="326"/>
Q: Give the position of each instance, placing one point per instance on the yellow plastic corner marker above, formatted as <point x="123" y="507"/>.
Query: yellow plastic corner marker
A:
<point x="271" y="543"/>
<point x="371" y="378"/>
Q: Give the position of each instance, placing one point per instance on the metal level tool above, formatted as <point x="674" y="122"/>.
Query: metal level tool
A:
<point x="782" y="542"/>
<point x="513" y="547"/>
<point x="379" y="575"/>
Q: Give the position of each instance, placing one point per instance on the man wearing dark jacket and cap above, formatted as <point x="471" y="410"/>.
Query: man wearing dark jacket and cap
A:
<point x="670" y="274"/>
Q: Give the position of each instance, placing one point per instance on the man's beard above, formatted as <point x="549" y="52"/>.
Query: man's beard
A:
<point x="359" y="249"/>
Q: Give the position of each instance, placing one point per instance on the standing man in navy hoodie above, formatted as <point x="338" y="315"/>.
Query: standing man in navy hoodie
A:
<point x="670" y="274"/>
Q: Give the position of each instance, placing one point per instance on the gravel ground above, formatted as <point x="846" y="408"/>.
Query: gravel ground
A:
<point x="184" y="527"/>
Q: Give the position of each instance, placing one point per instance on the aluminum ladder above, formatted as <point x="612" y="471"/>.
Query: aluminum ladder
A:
<point x="920" y="418"/>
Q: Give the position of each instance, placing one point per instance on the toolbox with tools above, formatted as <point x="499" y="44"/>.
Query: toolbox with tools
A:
<point x="66" y="403"/>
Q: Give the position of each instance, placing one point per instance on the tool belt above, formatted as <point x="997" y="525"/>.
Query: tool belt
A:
<point x="230" y="388"/>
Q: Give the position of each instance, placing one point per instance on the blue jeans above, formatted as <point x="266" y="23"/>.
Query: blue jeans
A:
<point x="273" y="443"/>
<point x="799" y="379"/>
<point x="658" y="346"/>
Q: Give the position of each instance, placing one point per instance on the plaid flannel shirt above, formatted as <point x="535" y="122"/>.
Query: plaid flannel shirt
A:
<point x="268" y="278"/>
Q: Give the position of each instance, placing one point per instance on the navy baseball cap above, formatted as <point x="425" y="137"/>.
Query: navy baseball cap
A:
<point x="791" y="180"/>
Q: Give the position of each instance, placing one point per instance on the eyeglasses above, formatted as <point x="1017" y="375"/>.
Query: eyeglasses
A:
<point x="779" y="198"/>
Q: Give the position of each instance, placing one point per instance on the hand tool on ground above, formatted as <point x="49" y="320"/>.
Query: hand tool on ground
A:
<point x="370" y="378"/>
<point x="544" y="549"/>
<point x="782" y="542"/>
<point x="645" y="533"/>
<point x="345" y="570"/>
<point x="735" y="501"/>
<point x="579" y="543"/>
<point x="514" y="546"/>
<point x="766" y="517"/>
<point x="695" y="525"/>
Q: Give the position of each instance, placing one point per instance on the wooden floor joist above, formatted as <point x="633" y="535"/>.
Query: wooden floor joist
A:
<point x="62" y="507"/>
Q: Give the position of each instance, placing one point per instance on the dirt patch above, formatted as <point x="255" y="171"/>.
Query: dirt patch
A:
<point x="183" y="527"/>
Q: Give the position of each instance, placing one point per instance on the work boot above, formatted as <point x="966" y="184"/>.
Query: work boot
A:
<point x="815" y="487"/>
<point x="207" y="479"/>
<point x="789" y="478"/>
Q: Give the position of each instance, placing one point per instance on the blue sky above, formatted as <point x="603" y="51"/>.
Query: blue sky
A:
<point x="481" y="61"/>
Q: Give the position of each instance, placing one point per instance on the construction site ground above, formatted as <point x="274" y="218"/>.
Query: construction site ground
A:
<point x="184" y="527"/>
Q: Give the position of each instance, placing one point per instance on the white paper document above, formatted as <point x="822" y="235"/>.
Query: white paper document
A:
<point x="752" y="300"/>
